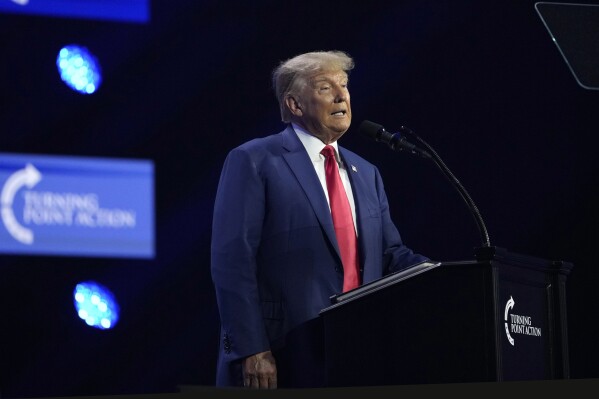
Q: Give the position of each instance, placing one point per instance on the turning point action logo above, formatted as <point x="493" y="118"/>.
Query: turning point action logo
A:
<point x="517" y="324"/>
<point x="47" y="208"/>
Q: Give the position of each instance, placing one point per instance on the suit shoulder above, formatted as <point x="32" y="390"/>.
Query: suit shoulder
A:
<point x="260" y="144"/>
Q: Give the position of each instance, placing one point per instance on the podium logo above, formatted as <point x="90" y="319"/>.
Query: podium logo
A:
<point x="518" y="324"/>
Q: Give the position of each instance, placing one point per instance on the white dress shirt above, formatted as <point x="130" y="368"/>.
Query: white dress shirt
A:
<point x="313" y="146"/>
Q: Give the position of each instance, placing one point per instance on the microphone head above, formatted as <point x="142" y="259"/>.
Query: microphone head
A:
<point x="371" y="129"/>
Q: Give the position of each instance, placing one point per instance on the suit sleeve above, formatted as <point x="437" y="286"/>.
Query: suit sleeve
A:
<point x="396" y="255"/>
<point x="236" y="232"/>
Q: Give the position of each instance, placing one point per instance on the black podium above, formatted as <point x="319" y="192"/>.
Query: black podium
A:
<point x="500" y="317"/>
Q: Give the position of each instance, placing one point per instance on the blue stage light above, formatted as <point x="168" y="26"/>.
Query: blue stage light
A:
<point x="79" y="69"/>
<point x="96" y="305"/>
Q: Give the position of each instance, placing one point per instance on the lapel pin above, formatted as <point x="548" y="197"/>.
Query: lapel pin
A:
<point x="354" y="168"/>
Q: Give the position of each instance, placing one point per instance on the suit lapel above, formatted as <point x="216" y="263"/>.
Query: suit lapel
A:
<point x="298" y="160"/>
<point x="360" y="192"/>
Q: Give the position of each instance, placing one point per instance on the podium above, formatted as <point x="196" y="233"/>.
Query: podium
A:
<point x="499" y="317"/>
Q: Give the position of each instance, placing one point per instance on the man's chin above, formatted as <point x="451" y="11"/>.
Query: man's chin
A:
<point x="340" y="126"/>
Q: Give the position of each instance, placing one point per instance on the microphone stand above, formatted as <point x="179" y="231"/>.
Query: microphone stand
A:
<point x="456" y="183"/>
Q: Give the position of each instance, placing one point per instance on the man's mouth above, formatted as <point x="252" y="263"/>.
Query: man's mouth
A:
<point x="339" y="113"/>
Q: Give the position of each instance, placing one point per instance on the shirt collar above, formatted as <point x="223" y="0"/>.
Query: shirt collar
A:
<point x="312" y="144"/>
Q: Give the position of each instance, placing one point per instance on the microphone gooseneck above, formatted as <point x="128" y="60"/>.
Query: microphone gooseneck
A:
<point x="397" y="143"/>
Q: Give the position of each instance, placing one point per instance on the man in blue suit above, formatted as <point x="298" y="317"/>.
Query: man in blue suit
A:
<point x="275" y="254"/>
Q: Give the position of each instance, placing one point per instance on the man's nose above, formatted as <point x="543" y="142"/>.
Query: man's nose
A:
<point x="340" y="95"/>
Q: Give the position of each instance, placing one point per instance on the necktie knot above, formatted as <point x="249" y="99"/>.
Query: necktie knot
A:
<point x="328" y="151"/>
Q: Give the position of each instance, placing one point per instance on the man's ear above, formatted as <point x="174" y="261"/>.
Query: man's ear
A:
<point x="294" y="106"/>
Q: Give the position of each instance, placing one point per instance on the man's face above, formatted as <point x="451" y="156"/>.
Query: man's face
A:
<point x="324" y="106"/>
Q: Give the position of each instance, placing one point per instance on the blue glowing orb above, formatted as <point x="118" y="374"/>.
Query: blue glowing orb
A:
<point x="96" y="305"/>
<point x="79" y="69"/>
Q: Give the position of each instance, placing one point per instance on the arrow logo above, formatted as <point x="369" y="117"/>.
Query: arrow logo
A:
<point x="29" y="177"/>
<point x="509" y="305"/>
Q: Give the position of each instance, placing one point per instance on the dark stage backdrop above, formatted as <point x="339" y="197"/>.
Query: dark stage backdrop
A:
<point x="481" y="81"/>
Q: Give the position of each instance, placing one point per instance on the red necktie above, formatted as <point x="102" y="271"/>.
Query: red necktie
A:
<point x="342" y="220"/>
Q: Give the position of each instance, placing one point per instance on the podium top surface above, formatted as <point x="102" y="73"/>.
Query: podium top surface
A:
<point x="385" y="281"/>
<point x="502" y="255"/>
<point x="490" y="257"/>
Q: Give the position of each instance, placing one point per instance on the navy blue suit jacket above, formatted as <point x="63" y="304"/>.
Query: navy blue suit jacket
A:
<point x="274" y="259"/>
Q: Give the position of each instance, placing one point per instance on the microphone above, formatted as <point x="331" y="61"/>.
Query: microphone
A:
<point x="395" y="141"/>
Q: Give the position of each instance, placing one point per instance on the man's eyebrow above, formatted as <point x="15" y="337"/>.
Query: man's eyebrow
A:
<point x="323" y="79"/>
<point x="327" y="80"/>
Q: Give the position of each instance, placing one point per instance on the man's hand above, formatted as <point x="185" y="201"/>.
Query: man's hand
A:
<point x="260" y="371"/>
